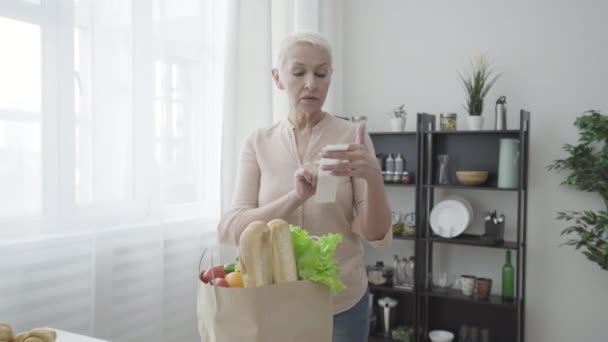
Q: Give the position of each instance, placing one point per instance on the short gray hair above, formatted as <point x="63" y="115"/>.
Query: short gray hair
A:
<point x="313" y="38"/>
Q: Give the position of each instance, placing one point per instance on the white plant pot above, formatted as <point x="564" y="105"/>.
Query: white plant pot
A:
<point x="475" y="122"/>
<point x="397" y="124"/>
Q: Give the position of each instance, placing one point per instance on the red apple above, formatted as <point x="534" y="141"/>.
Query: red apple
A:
<point x="221" y="282"/>
<point x="211" y="273"/>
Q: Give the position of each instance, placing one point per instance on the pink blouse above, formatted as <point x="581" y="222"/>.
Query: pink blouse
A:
<point x="268" y="162"/>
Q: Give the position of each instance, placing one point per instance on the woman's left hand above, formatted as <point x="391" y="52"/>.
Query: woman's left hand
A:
<point x="356" y="161"/>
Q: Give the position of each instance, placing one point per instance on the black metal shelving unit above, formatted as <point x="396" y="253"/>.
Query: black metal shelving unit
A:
<point x="407" y="144"/>
<point x="450" y="309"/>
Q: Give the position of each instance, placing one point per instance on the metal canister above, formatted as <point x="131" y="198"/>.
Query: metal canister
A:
<point x="501" y="114"/>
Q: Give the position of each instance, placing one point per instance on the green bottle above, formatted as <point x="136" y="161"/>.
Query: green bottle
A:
<point x="508" y="279"/>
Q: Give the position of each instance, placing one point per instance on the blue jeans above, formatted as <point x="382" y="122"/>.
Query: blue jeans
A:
<point x="352" y="325"/>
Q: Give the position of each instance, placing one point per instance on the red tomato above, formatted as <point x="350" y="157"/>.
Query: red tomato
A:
<point x="212" y="273"/>
<point x="221" y="282"/>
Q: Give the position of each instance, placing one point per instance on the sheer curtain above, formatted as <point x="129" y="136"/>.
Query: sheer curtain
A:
<point x="110" y="112"/>
<point x="120" y="127"/>
<point x="111" y="116"/>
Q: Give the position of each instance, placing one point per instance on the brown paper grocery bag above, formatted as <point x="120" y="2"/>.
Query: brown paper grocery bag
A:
<point x="298" y="311"/>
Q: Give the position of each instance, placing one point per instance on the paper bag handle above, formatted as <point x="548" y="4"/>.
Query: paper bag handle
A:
<point x="200" y="263"/>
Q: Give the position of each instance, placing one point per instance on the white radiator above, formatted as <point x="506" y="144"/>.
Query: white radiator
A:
<point x="136" y="284"/>
<point x="48" y="283"/>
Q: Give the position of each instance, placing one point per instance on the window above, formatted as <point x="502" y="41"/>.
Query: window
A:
<point x="20" y="118"/>
<point x="175" y="137"/>
<point x="105" y="112"/>
<point x="103" y="103"/>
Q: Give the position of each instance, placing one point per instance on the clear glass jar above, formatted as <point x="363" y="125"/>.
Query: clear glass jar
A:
<point x="401" y="272"/>
<point x="448" y="122"/>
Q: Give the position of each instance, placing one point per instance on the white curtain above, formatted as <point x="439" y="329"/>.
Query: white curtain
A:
<point x="120" y="127"/>
<point x="111" y="116"/>
<point x="324" y="16"/>
<point x="110" y="112"/>
<point x="251" y="99"/>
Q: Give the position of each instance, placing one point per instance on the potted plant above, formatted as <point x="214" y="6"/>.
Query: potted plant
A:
<point x="587" y="165"/>
<point x="398" y="119"/>
<point x="477" y="82"/>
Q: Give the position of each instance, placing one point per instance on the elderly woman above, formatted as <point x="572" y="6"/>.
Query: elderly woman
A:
<point x="278" y="172"/>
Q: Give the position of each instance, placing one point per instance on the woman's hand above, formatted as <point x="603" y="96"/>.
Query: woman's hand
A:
<point x="306" y="181"/>
<point x="357" y="161"/>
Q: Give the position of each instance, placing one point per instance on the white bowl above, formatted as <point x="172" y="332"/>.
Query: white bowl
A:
<point x="441" y="336"/>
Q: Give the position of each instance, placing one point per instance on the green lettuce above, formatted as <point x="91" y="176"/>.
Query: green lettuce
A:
<point x="315" y="258"/>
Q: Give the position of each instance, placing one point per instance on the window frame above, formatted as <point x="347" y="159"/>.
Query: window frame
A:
<point x="60" y="214"/>
<point x="39" y="15"/>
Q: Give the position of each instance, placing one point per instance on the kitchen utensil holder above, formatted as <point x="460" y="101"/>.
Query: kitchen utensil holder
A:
<point x="494" y="231"/>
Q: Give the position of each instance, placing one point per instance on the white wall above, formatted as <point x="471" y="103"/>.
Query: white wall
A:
<point x="553" y="56"/>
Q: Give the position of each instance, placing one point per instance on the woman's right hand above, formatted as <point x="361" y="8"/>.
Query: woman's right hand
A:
<point x="306" y="181"/>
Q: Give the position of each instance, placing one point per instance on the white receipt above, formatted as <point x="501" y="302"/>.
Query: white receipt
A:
<point x="327" y="184"/>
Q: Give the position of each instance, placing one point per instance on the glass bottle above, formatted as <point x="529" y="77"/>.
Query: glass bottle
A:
<point x="443" y="173"/>
<point x="398" y="168"/>
<point x="464" y="333"/>
<point x="395" y="270"/>
<point x="410" y="271"/>
<point x="508" y="279"/>
<point x="399" y="164"/>
<point x="473" y="334"/>
<point x="484" y="335"/>
<point x="390" y="168"/>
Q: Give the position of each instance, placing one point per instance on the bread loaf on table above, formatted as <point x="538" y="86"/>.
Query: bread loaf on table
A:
<point x="35" y="339"/>
<point x="255" y="249"/>
<point x="35" y="335"/>
<point x="283" y="259"/>
<point x="6" y="332"/>
<point x="46" y="335"/>
<point x="21" y="337"/>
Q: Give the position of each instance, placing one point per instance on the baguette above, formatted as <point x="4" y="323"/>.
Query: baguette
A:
<point x="255" y="249"/>
<point x="283" y="258"/>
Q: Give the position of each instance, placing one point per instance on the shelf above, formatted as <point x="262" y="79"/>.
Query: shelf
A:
<point x="404" y="237"/>
<point x="379" y="338"/>
<point x="468" y="187"/>
<point x="400" y="185"/>
<point x="457" y="295"/>
<point x="471" y="240"/>
<point x="390" y="289"/>
<point x="482" y="132"/>
<point x="373" y="134"/>
<point x="467" y="150"/>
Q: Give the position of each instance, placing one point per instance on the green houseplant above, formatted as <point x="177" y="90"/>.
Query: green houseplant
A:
<point x="587" y="165"/>
<point x="477" y="82"/>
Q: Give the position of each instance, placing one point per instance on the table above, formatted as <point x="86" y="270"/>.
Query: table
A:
<point x="66" y="336"/>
